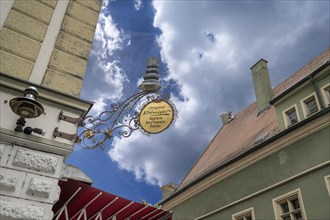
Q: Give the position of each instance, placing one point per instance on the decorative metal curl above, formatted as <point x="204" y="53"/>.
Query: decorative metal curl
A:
<point x="121" y="119"/>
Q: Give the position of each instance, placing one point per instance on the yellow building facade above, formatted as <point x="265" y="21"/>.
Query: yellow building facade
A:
<point x="44" y="45"/>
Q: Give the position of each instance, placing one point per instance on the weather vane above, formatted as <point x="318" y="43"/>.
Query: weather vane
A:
<point x="145" y="111"/>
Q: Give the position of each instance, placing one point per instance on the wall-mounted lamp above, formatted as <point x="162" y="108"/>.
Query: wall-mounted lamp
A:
<point x="27" y="106"/>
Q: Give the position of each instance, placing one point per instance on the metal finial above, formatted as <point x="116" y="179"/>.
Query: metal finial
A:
<point x="150" y="83"/>
<point x="152" y="61"/>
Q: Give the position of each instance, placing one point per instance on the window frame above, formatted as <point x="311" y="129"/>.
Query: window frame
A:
<point x="285" y="197"/>
<point x="327" y="183"/>
<point x="243" y="214"/>
<point x="305" y="107"/>
<point x="286" y="118"/>
<point x="326" y="97"/>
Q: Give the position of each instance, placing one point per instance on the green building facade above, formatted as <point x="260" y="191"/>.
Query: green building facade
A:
<point x="269" y="161"/>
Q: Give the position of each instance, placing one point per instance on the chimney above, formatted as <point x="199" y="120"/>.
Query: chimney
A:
<point x="226" y="117"/>
<point x="262" y="86"/>
<point x="167" y="190"/>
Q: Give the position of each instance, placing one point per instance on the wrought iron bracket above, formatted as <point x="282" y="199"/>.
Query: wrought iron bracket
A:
<point x="121" y="119"/>
<point x="67" y="136"/>
<point x="69" y="119"/>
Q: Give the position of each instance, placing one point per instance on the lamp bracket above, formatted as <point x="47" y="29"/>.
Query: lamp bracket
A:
<point x="67" y="136"/>
<point x="69" y="119"/>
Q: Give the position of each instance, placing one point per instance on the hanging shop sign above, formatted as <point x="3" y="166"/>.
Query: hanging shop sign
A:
<point x="156" y="116"/>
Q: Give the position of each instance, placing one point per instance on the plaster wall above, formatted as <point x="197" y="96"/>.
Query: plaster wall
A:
<point x="8" y="119"/>
<point x="313" y="193"/>
<point x="280" y="166"/>
<point x="262" y="85"/>
<point x="297" y="96"/>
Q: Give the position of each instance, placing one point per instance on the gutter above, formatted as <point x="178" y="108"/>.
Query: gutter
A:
<point x="318" y="70"/>
<point x="251" y="150"/>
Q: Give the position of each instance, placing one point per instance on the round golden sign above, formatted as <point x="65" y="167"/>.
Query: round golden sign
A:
<point x="156" y="116"/>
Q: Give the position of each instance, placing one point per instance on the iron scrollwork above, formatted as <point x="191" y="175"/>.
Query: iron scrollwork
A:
<point x="121" y="119"/>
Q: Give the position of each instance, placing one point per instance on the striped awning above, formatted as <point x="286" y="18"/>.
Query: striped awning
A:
<point x="79" y="200"/>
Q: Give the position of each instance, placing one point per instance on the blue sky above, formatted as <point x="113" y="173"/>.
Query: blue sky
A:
<point x="206" y="49"/>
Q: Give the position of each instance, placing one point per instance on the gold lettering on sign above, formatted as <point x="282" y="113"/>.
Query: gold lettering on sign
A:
<point x="156" y="116"/>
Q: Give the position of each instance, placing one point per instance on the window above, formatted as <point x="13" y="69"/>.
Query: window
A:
<point x="247" y="214"/>
<point x="327" y="183"/>
<point x="326" y="94"/>
<point x="310" y="105"/>
<point x="289" y="206"/>
<point x="291" y="117"/>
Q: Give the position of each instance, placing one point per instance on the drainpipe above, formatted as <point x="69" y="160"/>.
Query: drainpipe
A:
<point x="318" y="93"/>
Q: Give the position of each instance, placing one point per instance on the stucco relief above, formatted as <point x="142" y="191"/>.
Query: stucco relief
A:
<point x="35" y="160"/>
<point x="8" y="181"/>
<point x="11" y="182"/>
<point x="40" y="187"/>
<point x="21" y="211"/>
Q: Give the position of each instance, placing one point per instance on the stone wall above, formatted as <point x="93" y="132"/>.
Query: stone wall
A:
<point x="22" y="35"/>
<point x="48" y="42"/>
<point x="28" y="182"/>
<point x="69" y="59"/>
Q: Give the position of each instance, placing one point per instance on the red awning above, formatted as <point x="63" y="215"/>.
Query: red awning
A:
<point x="79" y="200"/>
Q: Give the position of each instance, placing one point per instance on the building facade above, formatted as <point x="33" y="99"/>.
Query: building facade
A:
<point x="44" y="44"/>
<point x="269" y="161"/>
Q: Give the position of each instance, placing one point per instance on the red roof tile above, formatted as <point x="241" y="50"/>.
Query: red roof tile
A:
<point x="247" y="128"/>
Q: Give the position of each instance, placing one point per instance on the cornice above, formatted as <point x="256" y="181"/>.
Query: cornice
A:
<point x="35" y="142"/>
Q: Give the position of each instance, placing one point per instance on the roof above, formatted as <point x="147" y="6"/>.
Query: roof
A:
<point x="247" y="129"/>
<point x="168" y="186"/>
<point x="78" y="198"/>
<point x="305" y="71"/>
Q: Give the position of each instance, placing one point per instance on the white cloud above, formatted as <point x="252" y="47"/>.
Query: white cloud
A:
<point x="109" y="38"/>
<point x="138" y="4"/>
<point x="209" y="56"/>
<point x="98" y="106"/>
<point x="107" y="73"/>
<point x="116" y="77"/>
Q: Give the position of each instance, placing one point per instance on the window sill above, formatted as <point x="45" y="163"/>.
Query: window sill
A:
<point x="311" y="114"/>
